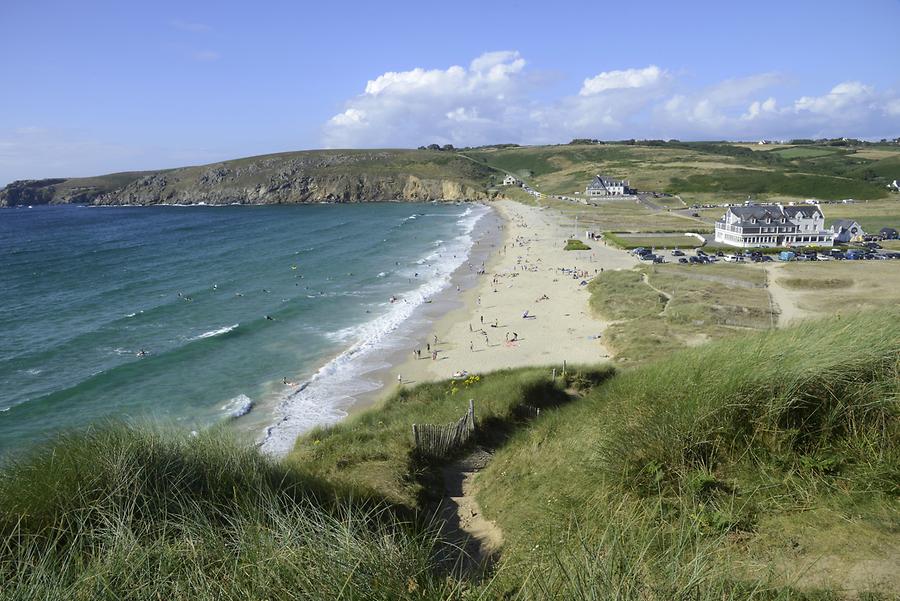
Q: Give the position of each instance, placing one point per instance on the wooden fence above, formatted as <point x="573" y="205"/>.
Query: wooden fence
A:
<point x="438" y="440"/>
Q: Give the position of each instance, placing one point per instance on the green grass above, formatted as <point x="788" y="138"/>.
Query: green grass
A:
<point x="706" y="302"/>
<point x="122" y="513"/>
<point x="673" y="478"/>
<point x="632" y="241"/>
<point x="800" y="152"/>
<point x="576" y="245"/>
<point x="374" y="449"/>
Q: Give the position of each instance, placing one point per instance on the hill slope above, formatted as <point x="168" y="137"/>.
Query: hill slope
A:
<point x="293" y="177"/>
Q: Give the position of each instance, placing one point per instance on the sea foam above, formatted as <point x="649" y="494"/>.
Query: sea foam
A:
<point x="321" y="400"/>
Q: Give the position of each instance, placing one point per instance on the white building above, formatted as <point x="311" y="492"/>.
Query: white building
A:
<point x="847" y="230"/>
<point x="605" y="186"/>
<point x="510" y="180"/>
<point x="754" y="226"/>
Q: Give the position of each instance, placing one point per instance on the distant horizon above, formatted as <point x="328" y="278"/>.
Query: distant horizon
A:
<point x="130" y="87"/>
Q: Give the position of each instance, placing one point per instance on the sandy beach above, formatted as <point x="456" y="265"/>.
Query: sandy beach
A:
<point x="530" y="307"/>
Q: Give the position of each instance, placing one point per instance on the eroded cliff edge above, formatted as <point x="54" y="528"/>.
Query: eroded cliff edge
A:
<point x="298" y="177"/>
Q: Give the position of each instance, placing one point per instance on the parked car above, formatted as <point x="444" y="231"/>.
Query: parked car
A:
<point x="854" y="255"/>
<point x="683" y="260"/>
<point x="872" y="245"/>
<point x="695" y="260"/>
<point x="677" y="253"/>
<point x="658" y="259"/>
<point x="786" y="255"/>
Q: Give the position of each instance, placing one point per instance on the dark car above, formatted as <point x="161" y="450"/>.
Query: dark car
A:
<point x="659" y="259"/>
<point x="872" y="245"/>
<point x="694" y="260"/>
<point x="683" y="260"/>
<point x="700" y="253"/>
<point x="677" y="253"/>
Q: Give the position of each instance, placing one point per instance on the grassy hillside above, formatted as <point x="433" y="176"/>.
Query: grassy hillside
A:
<point x="717" y="472"/>
<point x="701" y="171"/>
<point x="728" y="471"/>
<point x="338" y="175"/>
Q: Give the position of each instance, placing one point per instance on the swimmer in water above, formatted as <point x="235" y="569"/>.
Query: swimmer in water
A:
<point x="269" y="318"/>
<point x="142" y="353"/>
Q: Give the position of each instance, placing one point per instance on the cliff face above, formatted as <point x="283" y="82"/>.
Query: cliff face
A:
<point x="319" y="176"/>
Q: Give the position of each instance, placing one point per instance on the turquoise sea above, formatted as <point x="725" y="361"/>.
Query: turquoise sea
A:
<point x="195" y="315"/>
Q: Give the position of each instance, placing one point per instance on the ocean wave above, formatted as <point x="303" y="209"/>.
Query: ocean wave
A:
<point x="218" y="332"/>
<point x="237" y="407"/>
<point x="319" y="400"/>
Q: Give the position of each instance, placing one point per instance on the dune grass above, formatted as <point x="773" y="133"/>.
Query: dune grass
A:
<point x="123" y="513"/>
<point x="658" y="309"/>
<point x="374" y="449"/>
<point x="659" y="483"/>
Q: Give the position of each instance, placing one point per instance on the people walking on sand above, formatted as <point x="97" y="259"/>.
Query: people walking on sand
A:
<point x="434" y="355"/>
<point x="481" y="317"/>
<point x="470" y="327"/>
<point x="399" y="379"/>
<point x="507" y="336"/>
<point x="428" y="346"/>
<point x="435" y="339"/>
<point x="471" y="346"/>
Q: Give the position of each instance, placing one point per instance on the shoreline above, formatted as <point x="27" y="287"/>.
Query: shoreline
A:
<point x="527" y="264"/>
<point x="301" y="409"/>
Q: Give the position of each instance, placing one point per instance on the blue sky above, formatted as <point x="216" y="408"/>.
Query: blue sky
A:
<point x="94" y="87"/>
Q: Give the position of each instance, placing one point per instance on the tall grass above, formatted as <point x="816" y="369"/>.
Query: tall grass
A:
<point x="124" y="513"/>
<point x="819" y="401"/>
<point x="669" y="469"/>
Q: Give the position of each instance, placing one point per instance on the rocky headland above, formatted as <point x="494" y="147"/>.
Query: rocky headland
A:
<point x="297" y="177"/>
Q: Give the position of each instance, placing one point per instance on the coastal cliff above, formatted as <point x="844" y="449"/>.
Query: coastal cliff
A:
<point x="298" y="177"/>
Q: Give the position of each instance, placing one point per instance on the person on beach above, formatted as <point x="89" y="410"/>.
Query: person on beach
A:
<point x="471" y="347"/>
<point x="428" y="346"/>
<point x="399" y="379"/>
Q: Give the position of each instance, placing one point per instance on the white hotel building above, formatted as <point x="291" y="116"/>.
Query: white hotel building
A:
<point x="754" y="226"/>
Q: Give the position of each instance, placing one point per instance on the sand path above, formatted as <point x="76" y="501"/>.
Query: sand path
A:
<point x="479" y="537"/>
<point x="786" y="301"/>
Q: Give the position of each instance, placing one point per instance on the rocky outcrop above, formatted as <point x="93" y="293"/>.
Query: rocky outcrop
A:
<point x="320" y="176"/>
<point x="29" y="192"/>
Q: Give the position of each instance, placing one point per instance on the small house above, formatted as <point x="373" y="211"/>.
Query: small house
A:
<point x="511" y="180"/>
<point x="847" y="230"/>
<point x="607" y="186"/>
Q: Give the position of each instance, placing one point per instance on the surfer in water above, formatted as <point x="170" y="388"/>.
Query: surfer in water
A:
<point x="142" y="353"/>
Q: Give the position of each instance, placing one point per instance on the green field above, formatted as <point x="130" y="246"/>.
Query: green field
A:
<point x="659" y="242"/>
<point x="704" y="171"/>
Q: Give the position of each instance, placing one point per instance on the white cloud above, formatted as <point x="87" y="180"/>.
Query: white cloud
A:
<point x="757" y="109"/>
<point x="494" y="99"/>
<point x="456" y="105"/>
<point x="842" y="96"/>
<point x="617" y="80"/>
